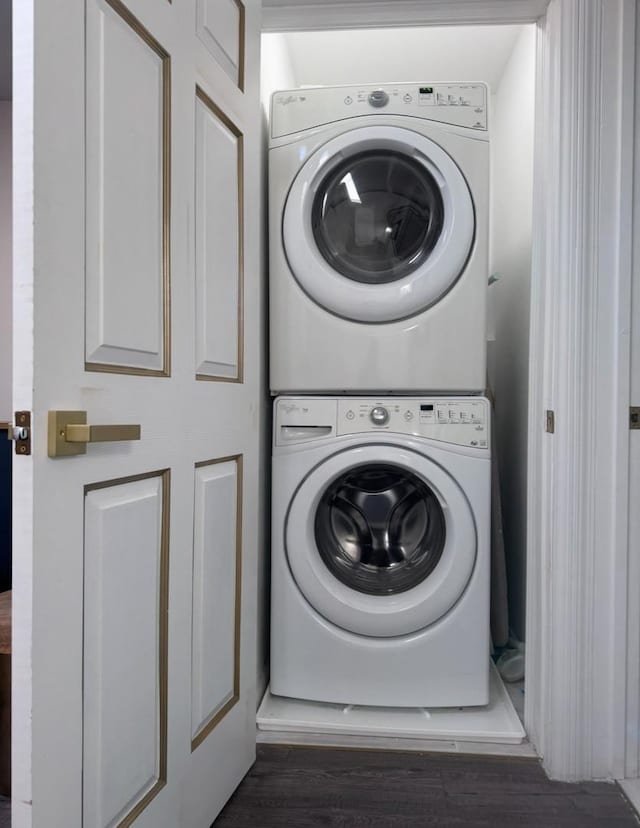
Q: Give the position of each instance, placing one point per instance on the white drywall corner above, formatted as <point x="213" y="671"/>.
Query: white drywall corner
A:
<point x="276" y="70"/>
<point x="511" y="206"/>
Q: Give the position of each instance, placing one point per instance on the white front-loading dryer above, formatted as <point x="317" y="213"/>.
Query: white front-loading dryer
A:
<point x="380" y="553"/>
<point x="378" y="217"/>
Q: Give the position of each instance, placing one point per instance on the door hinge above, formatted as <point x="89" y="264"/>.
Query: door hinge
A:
<point x="20" y="432"/>
<point x="550" y="421"/>
<point x="634" y="416"/>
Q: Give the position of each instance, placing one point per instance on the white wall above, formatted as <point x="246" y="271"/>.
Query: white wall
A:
<point x="512" y="190"/>
<point x="433" y="54"/>
<point x="5" y="263"/>
<point x="276" y="67"/>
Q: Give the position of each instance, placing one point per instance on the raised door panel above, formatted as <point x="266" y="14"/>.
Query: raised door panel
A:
<point x="127" y="194"/>
<point x="219" y="243"/>
<point x="125" y="647"/>
<point x="215" y="680"/>
<point x="220" y="26"/>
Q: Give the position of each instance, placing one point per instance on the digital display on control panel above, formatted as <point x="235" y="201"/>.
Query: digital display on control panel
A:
<point x="426" y="90"/>
<point x="426" y="408"/>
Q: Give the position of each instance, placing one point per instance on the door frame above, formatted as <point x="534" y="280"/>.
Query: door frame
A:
<point x="582" y="660"/>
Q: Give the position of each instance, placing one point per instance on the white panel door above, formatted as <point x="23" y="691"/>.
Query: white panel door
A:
<point x="137" y="296"/>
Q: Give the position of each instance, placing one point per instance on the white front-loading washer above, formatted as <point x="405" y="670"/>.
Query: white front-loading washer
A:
<point x="380" y="552"/>
<point x="378" y="217"/>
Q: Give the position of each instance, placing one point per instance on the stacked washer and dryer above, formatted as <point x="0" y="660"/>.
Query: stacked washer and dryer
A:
<point x="379" y="210"/>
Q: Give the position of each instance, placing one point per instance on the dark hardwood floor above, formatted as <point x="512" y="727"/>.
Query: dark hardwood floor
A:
<point x="309" y="787"/>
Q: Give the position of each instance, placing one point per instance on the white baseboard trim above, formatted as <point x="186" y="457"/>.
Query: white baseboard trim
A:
<point x="284" y="737"/>
<point x="631" y="789"/>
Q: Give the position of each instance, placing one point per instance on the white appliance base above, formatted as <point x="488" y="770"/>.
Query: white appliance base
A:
<point x="497" y="723"/>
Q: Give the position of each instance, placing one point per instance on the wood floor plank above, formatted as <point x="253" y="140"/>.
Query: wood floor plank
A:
<point x="319" y="787"/>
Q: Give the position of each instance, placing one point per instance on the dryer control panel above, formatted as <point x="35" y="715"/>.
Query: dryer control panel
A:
<point x="459" y="104"/>
<point x="463" y="421"/>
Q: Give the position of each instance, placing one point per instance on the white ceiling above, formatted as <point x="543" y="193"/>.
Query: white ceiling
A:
<point x="5" y="50"/>
<point x="433" y="54"/>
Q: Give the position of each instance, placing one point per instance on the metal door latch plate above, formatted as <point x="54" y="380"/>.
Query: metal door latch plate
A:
<point x="20" y="432"/>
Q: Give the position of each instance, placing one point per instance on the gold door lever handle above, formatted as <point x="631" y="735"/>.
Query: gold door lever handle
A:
<point x="69" y="433"/>
<point x="101" y="433"/>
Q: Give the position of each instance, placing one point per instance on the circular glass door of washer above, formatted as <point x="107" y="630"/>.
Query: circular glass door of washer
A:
<point x="380" y="529"/>
<point x="378" y="224"/>
<point x="381" y="541"/>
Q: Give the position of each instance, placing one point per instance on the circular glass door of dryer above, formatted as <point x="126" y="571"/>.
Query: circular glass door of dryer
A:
<point x="380" y="541"/>
<point x="378" y="224"/>
<point x="377" y="217"/>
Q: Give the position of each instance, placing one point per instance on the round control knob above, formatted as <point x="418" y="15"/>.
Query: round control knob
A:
<point x="378" y="98"/>
<point x="379" y="415"/>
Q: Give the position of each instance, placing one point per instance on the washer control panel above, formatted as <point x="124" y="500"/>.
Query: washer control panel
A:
<point x="461" y="420"/>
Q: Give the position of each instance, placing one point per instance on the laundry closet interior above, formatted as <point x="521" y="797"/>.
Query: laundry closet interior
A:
<point x="429" y="58"/>
<point x="150" y="171"/>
